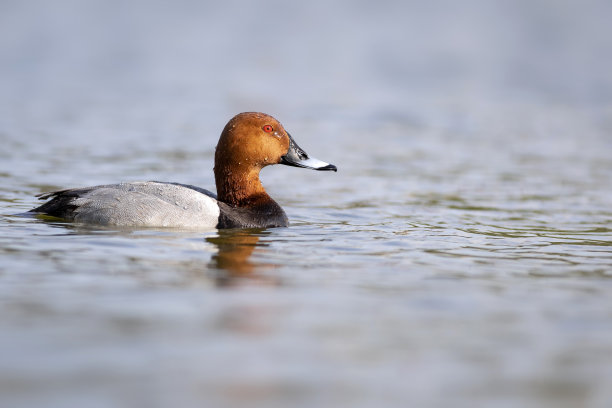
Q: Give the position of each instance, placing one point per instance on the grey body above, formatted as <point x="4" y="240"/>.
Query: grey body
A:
<point x="137" y="204"/>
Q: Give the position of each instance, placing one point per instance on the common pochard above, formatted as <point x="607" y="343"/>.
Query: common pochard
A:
<point x="249" y="142"/>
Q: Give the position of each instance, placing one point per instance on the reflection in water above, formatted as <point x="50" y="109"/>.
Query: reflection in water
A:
<point x="232" y="263"/>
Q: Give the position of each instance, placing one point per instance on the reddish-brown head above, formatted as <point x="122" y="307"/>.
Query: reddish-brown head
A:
<point x="249" y="142"/>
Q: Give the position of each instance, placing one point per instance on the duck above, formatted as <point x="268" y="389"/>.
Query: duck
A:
<point x="249" y="142"/>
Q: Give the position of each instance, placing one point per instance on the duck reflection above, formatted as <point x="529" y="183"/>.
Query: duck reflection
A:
<point x="232" y="264"/>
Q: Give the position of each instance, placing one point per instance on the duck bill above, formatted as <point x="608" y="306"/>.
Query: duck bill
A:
<point x="298" y="158"/>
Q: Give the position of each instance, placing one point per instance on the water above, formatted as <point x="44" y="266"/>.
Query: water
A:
<point x="461" y="256"/>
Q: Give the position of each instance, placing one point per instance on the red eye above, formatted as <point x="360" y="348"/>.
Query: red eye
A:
<point x="267" y="128"/>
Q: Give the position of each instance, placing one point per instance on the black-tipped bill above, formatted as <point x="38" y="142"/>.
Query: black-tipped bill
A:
<point x="298" y="158"/>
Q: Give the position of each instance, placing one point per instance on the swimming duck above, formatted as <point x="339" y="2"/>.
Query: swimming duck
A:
<point x="249" y="142"/>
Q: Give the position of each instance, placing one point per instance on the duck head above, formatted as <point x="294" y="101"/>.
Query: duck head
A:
<point x="249" y="142"/>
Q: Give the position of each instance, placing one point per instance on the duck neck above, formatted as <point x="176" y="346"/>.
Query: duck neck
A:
<point x="241" y="188"/>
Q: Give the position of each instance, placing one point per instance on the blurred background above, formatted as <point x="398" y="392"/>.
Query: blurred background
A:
<point x="460" y="256"/>
<point x="158" y="65"/>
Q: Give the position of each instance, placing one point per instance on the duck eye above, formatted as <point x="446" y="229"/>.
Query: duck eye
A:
<point x="267" y="128"/>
